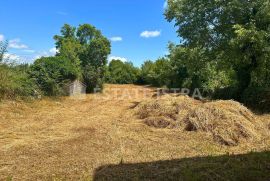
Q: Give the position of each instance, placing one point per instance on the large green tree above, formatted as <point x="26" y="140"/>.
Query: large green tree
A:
<point x="122" y="72"/>
<point x="88" y="49"/>
<point x="158" y="73"/>
<point x="234" y="34"/>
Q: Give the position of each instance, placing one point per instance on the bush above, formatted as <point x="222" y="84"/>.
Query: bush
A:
<point x="257" y="98"/>
<point x="16" y="83"/>
<point x="52" y="74"/>
<point x="120" y="72"/>
<point x="157" y="73"/>
<point x="93" y="77"/>
<point x="226" y="93"/>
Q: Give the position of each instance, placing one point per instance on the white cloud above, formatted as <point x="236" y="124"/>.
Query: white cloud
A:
<point x="150" y="34"/>
<point x="53" y="51"/>
<point x="116" y="38"/>
<point x="2" y="37"/>
<point x="37" y="57"/>
<point x="117" y="58"/>
<point x="50" y="52"/>
<point x="11" y="57"/>
<point x="29" y="51"/>
<point x="42" y="54"/>
<point x="16" y="44"/>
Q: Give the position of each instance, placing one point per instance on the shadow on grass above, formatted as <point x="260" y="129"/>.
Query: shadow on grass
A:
<point x="252" y="166"/>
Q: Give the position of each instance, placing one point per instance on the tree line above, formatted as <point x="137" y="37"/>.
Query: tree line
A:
<point x="82" y="55"/>
<point x="224" y="50"/>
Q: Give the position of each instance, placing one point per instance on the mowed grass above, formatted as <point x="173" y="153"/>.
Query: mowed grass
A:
<point x="100" y="138"/>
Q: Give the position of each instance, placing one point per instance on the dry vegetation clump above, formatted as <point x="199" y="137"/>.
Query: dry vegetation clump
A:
<point x="165" y="112"/>
<point x="265" y="121"/>
<point x="70" y="139"/>
<point x="160" y="122"/>
<point x="228" y="121"/>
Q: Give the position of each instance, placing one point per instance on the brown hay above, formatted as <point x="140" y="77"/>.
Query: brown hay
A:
<point x="167" y="106"/>
<point x="160" y="122"/>
<point x="228" y="121"/>
<point x="46" y="140"/>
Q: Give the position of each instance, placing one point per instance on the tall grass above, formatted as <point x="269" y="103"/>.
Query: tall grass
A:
<point x="15" y="82"/>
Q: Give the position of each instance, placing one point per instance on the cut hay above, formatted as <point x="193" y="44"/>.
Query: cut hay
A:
<point x="166" y="106"/>
<point x="160" y="122"/>
<point x="228" y="121"/>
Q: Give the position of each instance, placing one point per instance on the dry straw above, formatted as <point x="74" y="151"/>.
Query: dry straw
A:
<point x="229" y="122"/>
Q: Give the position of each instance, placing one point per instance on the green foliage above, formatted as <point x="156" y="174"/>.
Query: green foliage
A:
<point x="224" y="44"/>
<point x="258" y="98"/>
<point x="70" y="49"/>
<point x="93" y="77"/>
<point x="161" y="71"/>
<point x="157" y="73"/>
<point x="88" y="49"/>
<point x="82" y="54"/>
<point x="119" y="72"/>
<point x="16" y="83"/>
<point x="14" y="79"/>
<point x="94" y="60"/>
<point x="147" y="72"/>
<point x="192" y="70"/>
<point x="52" y="74"/>
<point x="3" y="50"/>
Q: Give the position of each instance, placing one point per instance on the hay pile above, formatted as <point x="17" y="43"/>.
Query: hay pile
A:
<point x="229" y="122"/>
<point x="166" y="111"/>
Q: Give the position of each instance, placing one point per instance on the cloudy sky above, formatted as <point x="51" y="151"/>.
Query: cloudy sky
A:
<point x="137" y="28"/>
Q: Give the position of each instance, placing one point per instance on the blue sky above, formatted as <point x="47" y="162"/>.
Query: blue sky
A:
<point x="137" y="28"/>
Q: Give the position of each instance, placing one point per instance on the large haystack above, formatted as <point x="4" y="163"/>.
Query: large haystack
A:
<point x="228" y="121"/>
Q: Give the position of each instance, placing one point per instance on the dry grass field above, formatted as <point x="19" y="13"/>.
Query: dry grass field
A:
<point x="102" y="138"/>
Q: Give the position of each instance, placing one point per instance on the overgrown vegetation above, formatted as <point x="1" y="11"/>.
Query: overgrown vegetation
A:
<point x="224" y="50"/>
<point x="53" y="74"/>
<point x="119" y="72"/>
<point x="14" y="79"/>
<point x="16" y="83"/>
<point x="230" y="40"/>
<point x="88" y="50"/>
<point x="82" y="54"/>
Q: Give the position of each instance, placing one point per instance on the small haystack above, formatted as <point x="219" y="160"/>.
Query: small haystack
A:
<point x="228" y="121"/>
<point x="165" y="110"/>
